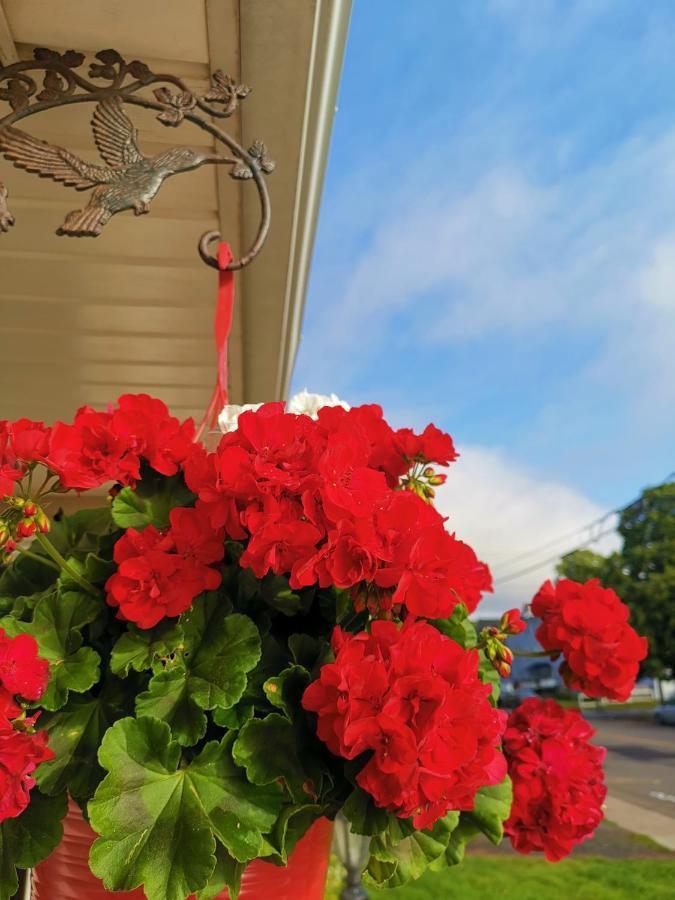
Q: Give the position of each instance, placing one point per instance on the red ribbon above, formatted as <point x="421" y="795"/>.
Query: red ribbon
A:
<point x="222" y="329"/>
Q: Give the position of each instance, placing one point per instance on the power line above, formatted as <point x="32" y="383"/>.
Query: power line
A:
<point x="591" y="540"/>
<point x="552" y="559"/>
<point x="563" y="537"/>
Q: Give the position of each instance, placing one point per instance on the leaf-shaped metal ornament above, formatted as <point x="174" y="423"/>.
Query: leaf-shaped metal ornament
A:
<point x="226" y="91"/>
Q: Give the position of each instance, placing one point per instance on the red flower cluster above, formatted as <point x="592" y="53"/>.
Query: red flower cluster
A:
<point x="558" y="787"/>
<point x="22" y="671"/>
<point x="161" y="572"/>
<point x="588" y="624"/>
<point x="318" y="500"/>
<point x="21" y="442"/>
<point x="22" y="749"/>
<point x="413" y="699"/>
<point x="109" y="446"/>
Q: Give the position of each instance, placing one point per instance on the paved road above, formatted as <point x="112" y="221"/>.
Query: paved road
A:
<point x="640" y="764"/>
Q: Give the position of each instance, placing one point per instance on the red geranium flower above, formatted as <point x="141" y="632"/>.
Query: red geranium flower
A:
<point x="21" y="442"/>
<point x="588" y="624"/>
<point x="432" y="572"/>
<point x="159" y="573"/>
<point x="412" y="698"/>
<point x="147" y="430"/>
<point x="21" y="752"/>
<point x="109" y="446"/>
<point x="89" y="453"/>
<point x="22" y="671"/>
<point x="194" y="538"/>
<point x="317" y="501"/>
<point x="433" y="445"/>
<point x="558" y="787"/>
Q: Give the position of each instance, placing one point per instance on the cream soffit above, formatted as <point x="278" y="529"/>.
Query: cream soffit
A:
<point x="8" y="54"/>
<point x="84" y="320"/>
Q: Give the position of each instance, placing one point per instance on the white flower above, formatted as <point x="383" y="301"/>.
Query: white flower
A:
<point x="310" y="404"/>
<point x="229" y="415"/>
<point x="303" y="403"/>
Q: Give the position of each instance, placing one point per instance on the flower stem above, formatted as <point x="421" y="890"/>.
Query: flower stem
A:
<point x="534" y="654"/>
<point x="65" y="565"/>
<point x="38" y="558"/>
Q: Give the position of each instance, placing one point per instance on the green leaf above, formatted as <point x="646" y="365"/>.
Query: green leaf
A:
<point x="223" y="647"/>
<point x="268" y="750"/>
<point x="82" y="531"/>
<point x="364" y="817"/>
<point x="139" y="649"/>
<point x="151" y="502"/>
<point x="395" y="862"/>
<point x="168" y="698"/>
<point x="308" y="651"/>
<point x="235" y="718"/>
<point x="75" y="734"/>
<point x="227" y="874"/>
<point x="291" y="826"/>
<point x="28" y="839"/>
<point x="220" y="648"/>
<point x="286" y="689"/>
<point x="98" y="570"/>
<point x="157" y="819"/>
<point x="56" y="626"/>
<point x="458" y="627"/>
<point x="22" y="606"/>
<point x="491" y="809"/>
<point x="131" y="511"/>
<point x="25" y="577"/>
<point x="456" y="848"/>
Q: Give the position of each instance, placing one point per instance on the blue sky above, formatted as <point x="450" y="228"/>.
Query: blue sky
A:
<point x="496" y="253"/>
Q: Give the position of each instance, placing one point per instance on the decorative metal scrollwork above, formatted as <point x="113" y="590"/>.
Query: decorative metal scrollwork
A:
<point x="128" y="179"/>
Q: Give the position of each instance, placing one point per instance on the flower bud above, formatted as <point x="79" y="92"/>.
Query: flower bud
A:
<point x="503" y="668"/>
<point x="9" y="548"/>
<point x="29" y="508"/>
<point x="42" y="522"/>
<point x="505" y="654"/>
<point x="25" y="528"/>
<point x="438" y="479"/>
<point x="511" y="622"/>
<point x="4" y="533"/>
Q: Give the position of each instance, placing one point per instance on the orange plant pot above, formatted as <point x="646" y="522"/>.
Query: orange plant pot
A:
<point x="65" y="874"/>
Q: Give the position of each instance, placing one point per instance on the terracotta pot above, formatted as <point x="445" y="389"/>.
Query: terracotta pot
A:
<point x="65" y="874"/>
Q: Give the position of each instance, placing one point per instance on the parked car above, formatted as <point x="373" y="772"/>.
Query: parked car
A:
<point x="665" y="714"/>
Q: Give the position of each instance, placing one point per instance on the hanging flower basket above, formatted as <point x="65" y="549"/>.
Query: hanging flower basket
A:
<point x="242" y="643"/>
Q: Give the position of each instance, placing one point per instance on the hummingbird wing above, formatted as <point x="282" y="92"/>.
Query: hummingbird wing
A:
<point x="50" y="161"/>
<point x="115" y="135"/>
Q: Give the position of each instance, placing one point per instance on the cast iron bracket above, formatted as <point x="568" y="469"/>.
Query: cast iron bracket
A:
<point x="128" y="179"/>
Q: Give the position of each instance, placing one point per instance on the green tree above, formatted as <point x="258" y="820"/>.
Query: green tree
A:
<point x="642" y="572"/>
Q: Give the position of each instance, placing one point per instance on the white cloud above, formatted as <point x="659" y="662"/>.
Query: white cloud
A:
<point x="504" y="511"/>
<point x="586" y="252"/>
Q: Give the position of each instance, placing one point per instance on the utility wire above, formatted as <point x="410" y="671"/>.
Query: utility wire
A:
<point x="591" y="540"/>
<point x="563" y="537"/>
<point x="552" y="559"/>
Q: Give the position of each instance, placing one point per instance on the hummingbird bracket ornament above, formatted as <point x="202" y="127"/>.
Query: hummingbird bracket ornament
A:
<point x="128" y="179"/>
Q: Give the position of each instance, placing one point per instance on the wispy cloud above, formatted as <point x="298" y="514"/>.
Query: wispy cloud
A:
<point x="505" y="511"/>
<point x="497" y="242"/>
